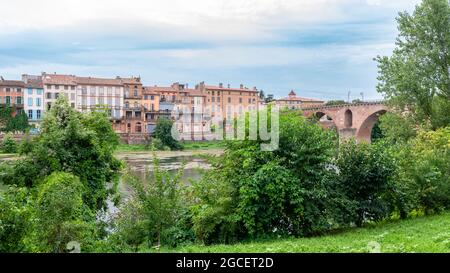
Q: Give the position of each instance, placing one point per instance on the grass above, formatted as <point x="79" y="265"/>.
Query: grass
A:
<point x="421" y="235"/>
<point x="187" y="145"/>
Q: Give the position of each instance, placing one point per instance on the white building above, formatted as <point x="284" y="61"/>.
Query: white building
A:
<point x="56" y="85"/>
<point x="94" y="92"/>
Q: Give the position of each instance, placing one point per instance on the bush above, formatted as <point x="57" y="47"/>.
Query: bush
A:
<point x="365" y="173"/>
<point x="424" y="172"/>
<point x="60" y="214"/>
<point x="163" y="132"/>
<point x="250" y="193"/>
<point x="14" y="219"/>
<point x="26" y="145"/>
<point x="9" y="145"/>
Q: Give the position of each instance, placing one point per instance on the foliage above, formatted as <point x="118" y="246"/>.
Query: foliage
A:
<point x="163" y="132"/>
<point x="12" y="120"/>
<point x="424" y="173"/>
<point x="335" y="102"/>
<point x="364" y="177"/>
<point x="14" y="219"/>
<point x="416" y="79"/>
<point x="9" y="145"/>
<point x="396" y="129"/>
<point x="159" y="145"/>
<point x="81" y="144"/>
<point x="252" y="193"/>
<point x="26" y="145"/>
<point x="59" y="214"/>
<point x="154" y="214"/>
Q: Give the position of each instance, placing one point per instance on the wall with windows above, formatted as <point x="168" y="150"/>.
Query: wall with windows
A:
<point x="34" y="104"/>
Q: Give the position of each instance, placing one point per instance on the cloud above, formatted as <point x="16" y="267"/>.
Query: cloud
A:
<point x="323" y="47"/>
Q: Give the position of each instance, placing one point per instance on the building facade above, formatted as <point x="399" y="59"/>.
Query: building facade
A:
<point x="11" y="94"/>
<point x="293" y="102"/>
<point x="133" y="122"/>
<point x="56" y="85"/>
<point x="34" y="100"/>
<point x="99" y="92"/>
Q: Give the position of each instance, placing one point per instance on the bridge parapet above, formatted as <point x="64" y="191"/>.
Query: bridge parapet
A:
<point x="346" y="105"/>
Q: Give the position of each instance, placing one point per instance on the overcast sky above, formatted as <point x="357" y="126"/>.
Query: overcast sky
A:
<point x="320" y="48"/>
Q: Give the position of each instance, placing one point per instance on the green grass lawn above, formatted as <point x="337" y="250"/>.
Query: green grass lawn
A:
<point x="422" y="235"/>
<point x="188" y="145"/>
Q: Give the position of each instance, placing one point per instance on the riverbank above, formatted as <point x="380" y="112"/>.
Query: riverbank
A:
<point x="188" y="145"/>
<point x="418" y="235"/>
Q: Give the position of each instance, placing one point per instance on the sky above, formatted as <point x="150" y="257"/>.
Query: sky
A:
<point x="319" y="48"/>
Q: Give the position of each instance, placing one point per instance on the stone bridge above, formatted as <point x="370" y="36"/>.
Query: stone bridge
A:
<point x="350" y="120"/>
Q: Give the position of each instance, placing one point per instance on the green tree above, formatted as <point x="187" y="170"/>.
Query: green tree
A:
<point x="78" y="143"/>
<point x="416" y="78"/>
<point x="252" y="193"/>
<point x="163" y="132"/>
<point x="397" y="129"/>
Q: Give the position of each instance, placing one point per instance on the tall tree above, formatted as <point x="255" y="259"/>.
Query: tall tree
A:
<point x="416" y="77"/>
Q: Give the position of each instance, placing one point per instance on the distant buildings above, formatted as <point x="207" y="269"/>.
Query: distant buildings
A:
<point x="294" y="102"/>
<point x="134" y="108"/>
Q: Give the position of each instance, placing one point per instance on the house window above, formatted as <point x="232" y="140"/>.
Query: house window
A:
<point x="30" y="101"/>
<point x="49" y="86"/>
<point x="229" y="100"/>
<point x="39" y="92"/>
<point x="117" y="101"/>
<point x="135" y="92"/>
<point x="109" y="101"/>
<point x="213" y="99"/>
<point x="56" y="96"/>
<point x="109" y="90"/>
<point x="92" y="91"/>
<point x="72" y="88"/>
<point x="84" y="90"/>
<point x="240" y="100"/>
<point x="8" y="89"/>
<point x="38" y="101"/>
<point x="218" y="99"/>
<point x="30" y="114"/>
<point x="127" y="105"/>
<point x="57" y="87"/>
<point x="117" y="91"/>
<point x="49" y="95"/>
<point x="30" y="91"/>
<point x="66" y="87"/>
<point x="100" y="91"/>
<point x="18" y="100"/>
<point x="152" y="97"/>
<point x="38" y="114"/>
<point x="19" y="90"/>
<point x="72" y="96"/>
<point x="100" y="100"/>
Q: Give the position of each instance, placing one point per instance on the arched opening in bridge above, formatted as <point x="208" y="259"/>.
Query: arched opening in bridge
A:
<point x="365" y="131"/>
<point x="325" y="121"/>
<point x="348" y="119"/>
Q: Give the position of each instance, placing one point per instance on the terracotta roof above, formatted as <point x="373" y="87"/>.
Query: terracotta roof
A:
<point x="218" y="88"/>
<point x="149" y="91"/>
<point x="59" y="79"/>
<point x="34" y="84"/>
<point x="161" y="89"/>
<point x="12" y="83"/>
<point x="98" y="81"/>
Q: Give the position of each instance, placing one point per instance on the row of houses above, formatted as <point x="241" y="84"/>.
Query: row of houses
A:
<point x="134" y="108"/>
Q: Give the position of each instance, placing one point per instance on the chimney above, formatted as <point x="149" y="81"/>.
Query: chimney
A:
<point x="254" y="88"/>
<point x="241" y="86"/>
<point x="187" y="85"/>
<point x="229" y="86"/>
<point x="1" y="78"/>
<point x="220" y="85"/>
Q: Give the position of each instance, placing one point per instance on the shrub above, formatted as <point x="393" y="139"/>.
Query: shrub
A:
<point x="163" y="132"/>
<point x="14" y="219"/>
<point x="251" y="193"/>
<point x="365" y="172"/>
<point x="9" y="145"/>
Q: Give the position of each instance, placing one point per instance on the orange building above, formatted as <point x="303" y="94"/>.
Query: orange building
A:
<point x="11" y="94"/>
<point x="133" y="110"/>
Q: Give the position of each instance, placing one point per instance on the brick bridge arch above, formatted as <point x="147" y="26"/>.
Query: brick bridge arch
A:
<point x="351" y="120"/>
